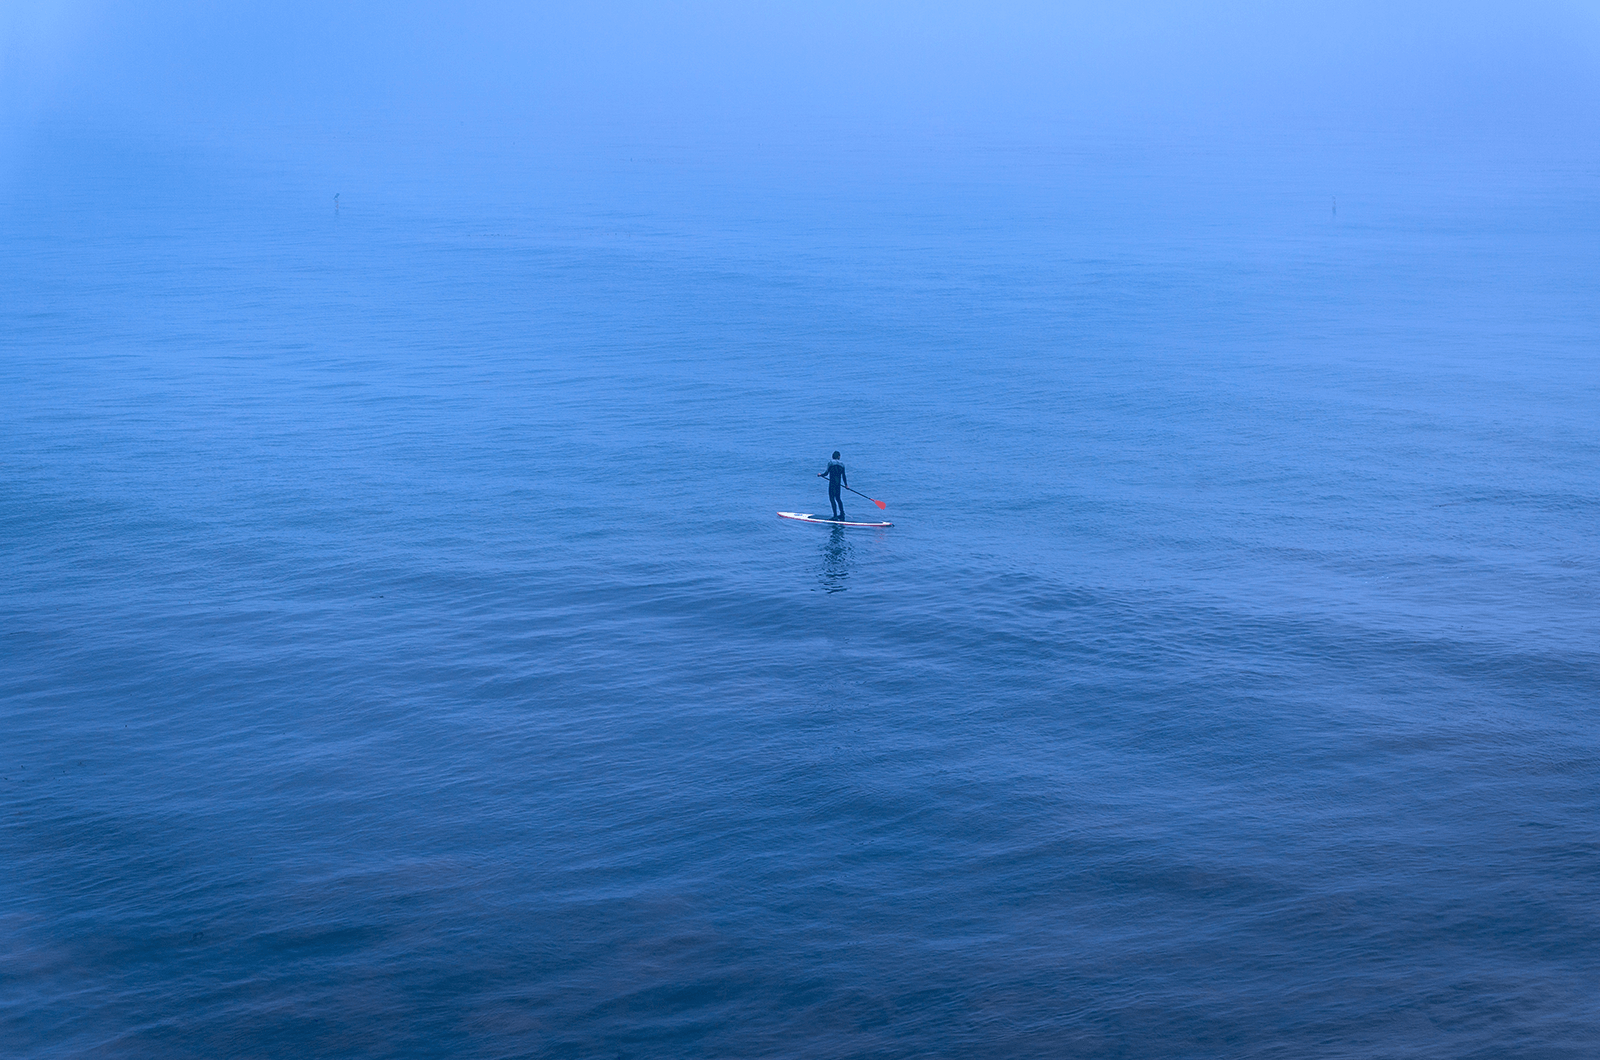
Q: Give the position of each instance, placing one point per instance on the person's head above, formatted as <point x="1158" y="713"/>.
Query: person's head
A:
<point x="836" y="454"/>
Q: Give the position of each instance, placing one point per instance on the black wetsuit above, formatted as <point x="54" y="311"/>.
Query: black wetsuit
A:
<point x="836" y="478"/>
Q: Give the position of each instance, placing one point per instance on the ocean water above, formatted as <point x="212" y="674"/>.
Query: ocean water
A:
<point x="400" y="656"/>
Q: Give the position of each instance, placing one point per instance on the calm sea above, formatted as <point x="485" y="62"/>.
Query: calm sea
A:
<point x="400" y="654"/>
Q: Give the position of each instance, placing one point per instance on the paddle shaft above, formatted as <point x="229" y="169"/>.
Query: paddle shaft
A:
<point x="874" y="500"/>
<point x="858" y="493"/>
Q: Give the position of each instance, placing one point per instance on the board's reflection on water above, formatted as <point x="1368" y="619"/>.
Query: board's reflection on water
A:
<point x="836" y="556"/>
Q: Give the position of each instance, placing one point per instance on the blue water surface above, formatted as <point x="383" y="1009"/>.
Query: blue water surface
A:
<point x="400" y="655"/>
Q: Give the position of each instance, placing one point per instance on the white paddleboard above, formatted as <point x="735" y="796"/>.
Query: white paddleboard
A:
<point x="807" y="517"/>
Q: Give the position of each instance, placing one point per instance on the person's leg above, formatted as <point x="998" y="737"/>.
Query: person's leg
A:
<point x="835" y="503"/>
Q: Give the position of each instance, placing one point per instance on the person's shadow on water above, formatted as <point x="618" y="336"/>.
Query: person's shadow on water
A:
<point x="835" y="561"/>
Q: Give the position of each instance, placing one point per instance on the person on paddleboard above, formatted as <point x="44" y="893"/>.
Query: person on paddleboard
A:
<point x="834" y="473"/>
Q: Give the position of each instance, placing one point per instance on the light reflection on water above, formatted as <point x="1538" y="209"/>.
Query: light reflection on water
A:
<point x="836" y="554"/>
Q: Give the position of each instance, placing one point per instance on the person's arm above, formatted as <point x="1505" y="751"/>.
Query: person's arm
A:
<point x="843" y="478"/>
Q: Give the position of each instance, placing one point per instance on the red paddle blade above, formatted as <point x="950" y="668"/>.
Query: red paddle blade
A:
<point x="879" y="503"/>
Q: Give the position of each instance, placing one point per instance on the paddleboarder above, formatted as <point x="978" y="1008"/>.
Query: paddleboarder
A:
<point x="834" y="473"/>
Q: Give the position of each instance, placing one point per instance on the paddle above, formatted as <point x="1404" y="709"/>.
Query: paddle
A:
<point x="874" y="500"/>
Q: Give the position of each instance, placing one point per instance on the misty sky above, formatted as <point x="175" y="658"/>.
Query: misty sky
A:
<point x="770" y="69"/>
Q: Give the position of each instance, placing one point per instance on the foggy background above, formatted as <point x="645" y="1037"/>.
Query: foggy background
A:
<point x="371" y="85"/>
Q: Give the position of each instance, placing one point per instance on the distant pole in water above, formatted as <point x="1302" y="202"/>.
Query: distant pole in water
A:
<point x="335" y="202"/>
<point x="1335" y="205"/>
